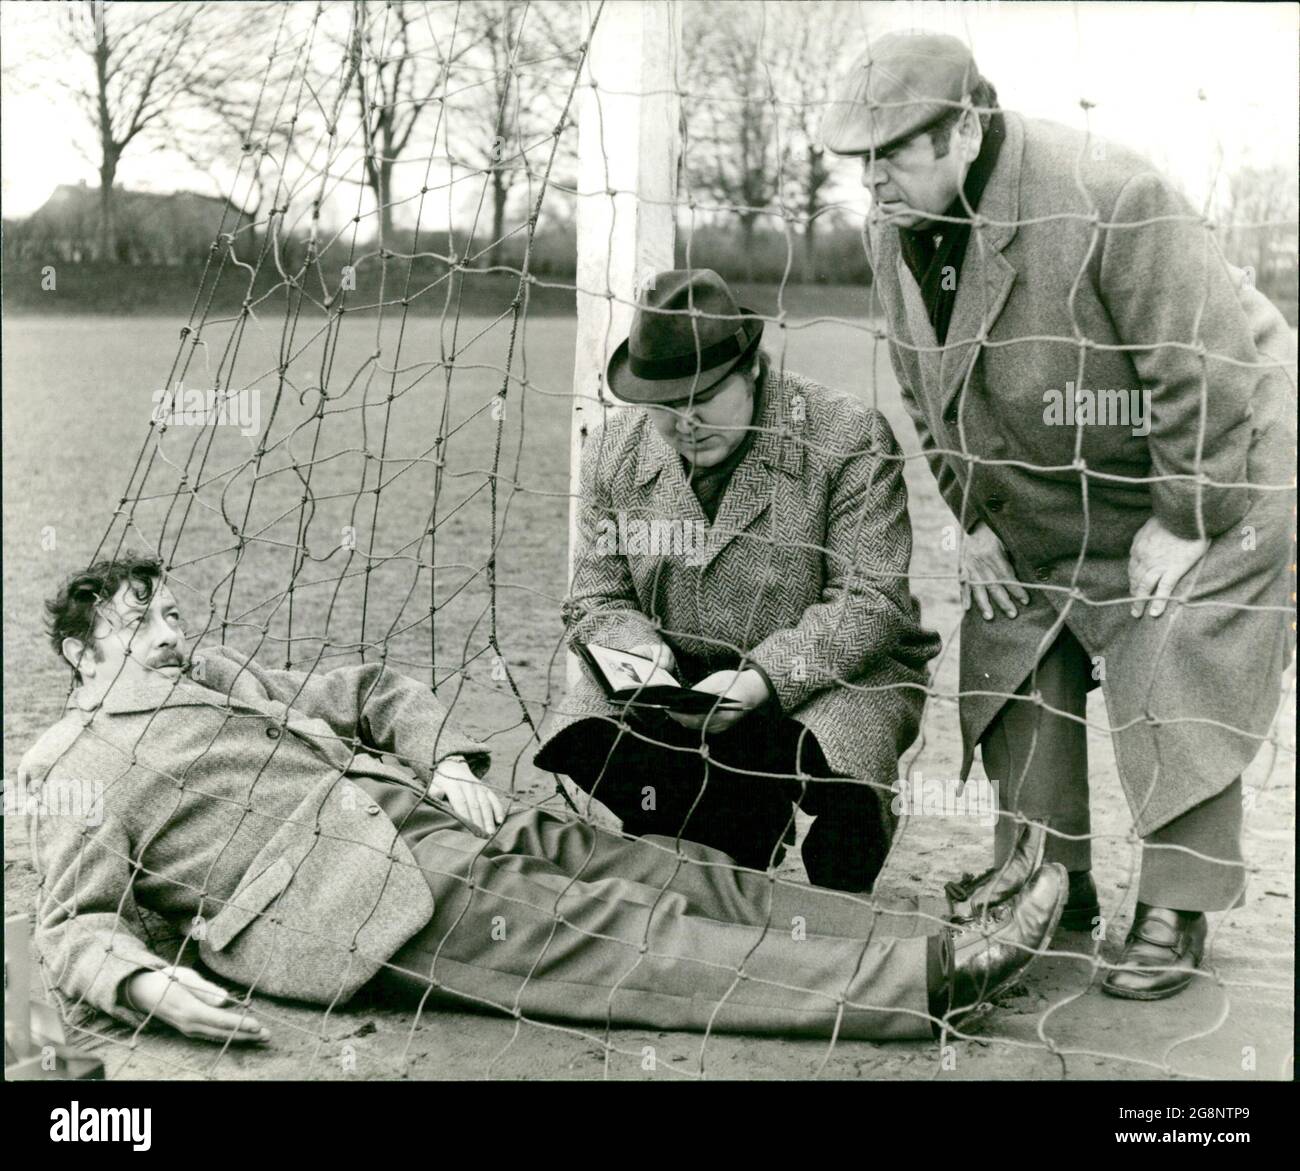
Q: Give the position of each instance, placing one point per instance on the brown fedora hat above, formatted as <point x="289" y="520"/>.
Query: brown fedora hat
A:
<point x="687" y="335"/>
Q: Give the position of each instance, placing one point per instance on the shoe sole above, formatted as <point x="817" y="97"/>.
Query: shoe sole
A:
<point x="1163" y="994"/>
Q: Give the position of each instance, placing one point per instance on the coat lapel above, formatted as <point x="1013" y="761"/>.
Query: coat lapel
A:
<point x="662" y="484"/>
<point x="665" y="491"/>
<point x="752" y="484"/>
<point x="986" y="275"/>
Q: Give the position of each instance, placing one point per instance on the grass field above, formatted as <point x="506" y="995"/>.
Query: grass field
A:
<point x="78" y="393"/>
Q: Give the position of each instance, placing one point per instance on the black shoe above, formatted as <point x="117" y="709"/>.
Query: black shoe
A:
<point x="1082" y="907"/>
<point x="972" y="896"/>
<point x="1162" y="952"/>
<point x="989" y="954"/>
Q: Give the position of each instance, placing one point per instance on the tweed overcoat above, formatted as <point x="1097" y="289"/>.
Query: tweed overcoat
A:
<point x="223" y="809"/>
<point x="1087" y="272"/>
<point x="804" y="571"/>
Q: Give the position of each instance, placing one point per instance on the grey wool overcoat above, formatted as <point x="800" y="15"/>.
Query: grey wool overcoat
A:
<point x="804" y="572"/>
<point x="1087" y="273"/>
<point x="222" y="818"/>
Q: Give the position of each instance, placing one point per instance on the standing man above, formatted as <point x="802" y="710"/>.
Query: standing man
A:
<point x="1109" y="409"/>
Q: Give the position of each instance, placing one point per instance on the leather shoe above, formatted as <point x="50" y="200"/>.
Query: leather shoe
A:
<point x="1161" y="953"/>
<point x="971" y="897"/>
<point x="989" y="954"/>
<point x="1081" y="907"/>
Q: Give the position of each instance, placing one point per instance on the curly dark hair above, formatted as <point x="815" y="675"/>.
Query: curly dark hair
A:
<point x="71" y="613"/>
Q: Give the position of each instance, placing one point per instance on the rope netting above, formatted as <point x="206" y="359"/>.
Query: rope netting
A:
<point x="365" y="464"/>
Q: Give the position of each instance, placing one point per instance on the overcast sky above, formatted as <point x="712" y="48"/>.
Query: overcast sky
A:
<point x="1144" y="66"/>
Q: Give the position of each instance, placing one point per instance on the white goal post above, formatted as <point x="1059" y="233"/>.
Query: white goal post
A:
<point x="628" y="143"/>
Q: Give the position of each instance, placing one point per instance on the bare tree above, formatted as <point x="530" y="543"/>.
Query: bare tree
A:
<point x="407" y="55"/>
<point x="146" y="66"/>
<point x="812" y="43"/>
<point x="733" y="150"/>
<point x="1259" y="213"/>
<point x="761" y="75"/>
<point x="510" y="94"/>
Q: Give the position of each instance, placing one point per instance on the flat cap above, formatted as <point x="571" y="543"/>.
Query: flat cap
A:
<point x="902" y="83"/>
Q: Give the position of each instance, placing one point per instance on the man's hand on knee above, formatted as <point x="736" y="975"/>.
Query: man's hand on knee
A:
<point x="471" y="798"/>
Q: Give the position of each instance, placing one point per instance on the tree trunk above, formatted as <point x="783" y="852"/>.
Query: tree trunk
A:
<point x="747" y="223"/>
<point x="817" y="177"/>
<point x="107" y="210"/>
<point x="109" y="151"/>
<point x="379" y="178"/>
<point x="499" y="194"/>
<point x="385" y="197"/>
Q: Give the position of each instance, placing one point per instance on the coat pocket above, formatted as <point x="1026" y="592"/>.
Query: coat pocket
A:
<point x="248" y="902"/>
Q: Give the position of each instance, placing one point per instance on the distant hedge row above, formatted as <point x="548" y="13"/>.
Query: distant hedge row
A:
<point x="171" y="292"/>
<point x="770" y="258"/>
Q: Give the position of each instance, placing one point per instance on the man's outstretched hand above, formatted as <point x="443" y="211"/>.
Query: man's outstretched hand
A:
<point x="192" y="1005"/>
<point x="472" y="799"/>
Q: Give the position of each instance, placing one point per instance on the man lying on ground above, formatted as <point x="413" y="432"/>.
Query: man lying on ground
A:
<point x="250" y="808"/>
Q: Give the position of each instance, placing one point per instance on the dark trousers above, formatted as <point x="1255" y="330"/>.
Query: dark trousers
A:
<point x="1039" y="760"/>
<point x="657" y="780"/>
<point x="558" y="919"/>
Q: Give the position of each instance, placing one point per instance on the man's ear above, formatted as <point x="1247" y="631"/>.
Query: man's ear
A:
<point x="79" y="656"/>
<point x="972" y="133"/>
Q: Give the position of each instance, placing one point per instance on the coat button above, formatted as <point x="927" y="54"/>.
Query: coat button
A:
<point x="372" y="810"/>
<point x="994" y="503"/>
<point x="273" y="732"/>
<point x="1042" y="573"/>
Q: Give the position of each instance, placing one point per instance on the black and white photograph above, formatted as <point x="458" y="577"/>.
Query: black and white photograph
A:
<point x="394" y="390"/>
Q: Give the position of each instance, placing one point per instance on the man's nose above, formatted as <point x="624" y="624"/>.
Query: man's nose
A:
<point x="873" y="171"/>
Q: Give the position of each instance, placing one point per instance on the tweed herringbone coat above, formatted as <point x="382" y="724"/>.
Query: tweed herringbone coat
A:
<point x="1087" y="271"/>
<point x="804" y="571"/>
<point x="226" y="816"/>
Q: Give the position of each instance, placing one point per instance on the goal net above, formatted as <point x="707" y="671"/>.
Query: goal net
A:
<point x="366" y="450"/>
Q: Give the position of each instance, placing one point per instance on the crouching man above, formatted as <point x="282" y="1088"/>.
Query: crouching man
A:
<point x="250" y="809"/>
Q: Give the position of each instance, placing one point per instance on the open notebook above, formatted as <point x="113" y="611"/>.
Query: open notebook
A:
<point x="632" y="679"/>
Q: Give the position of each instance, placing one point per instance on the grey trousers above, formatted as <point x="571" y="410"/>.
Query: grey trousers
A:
<point x="1040" y="761"/>
<point x="559" y="919"/>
